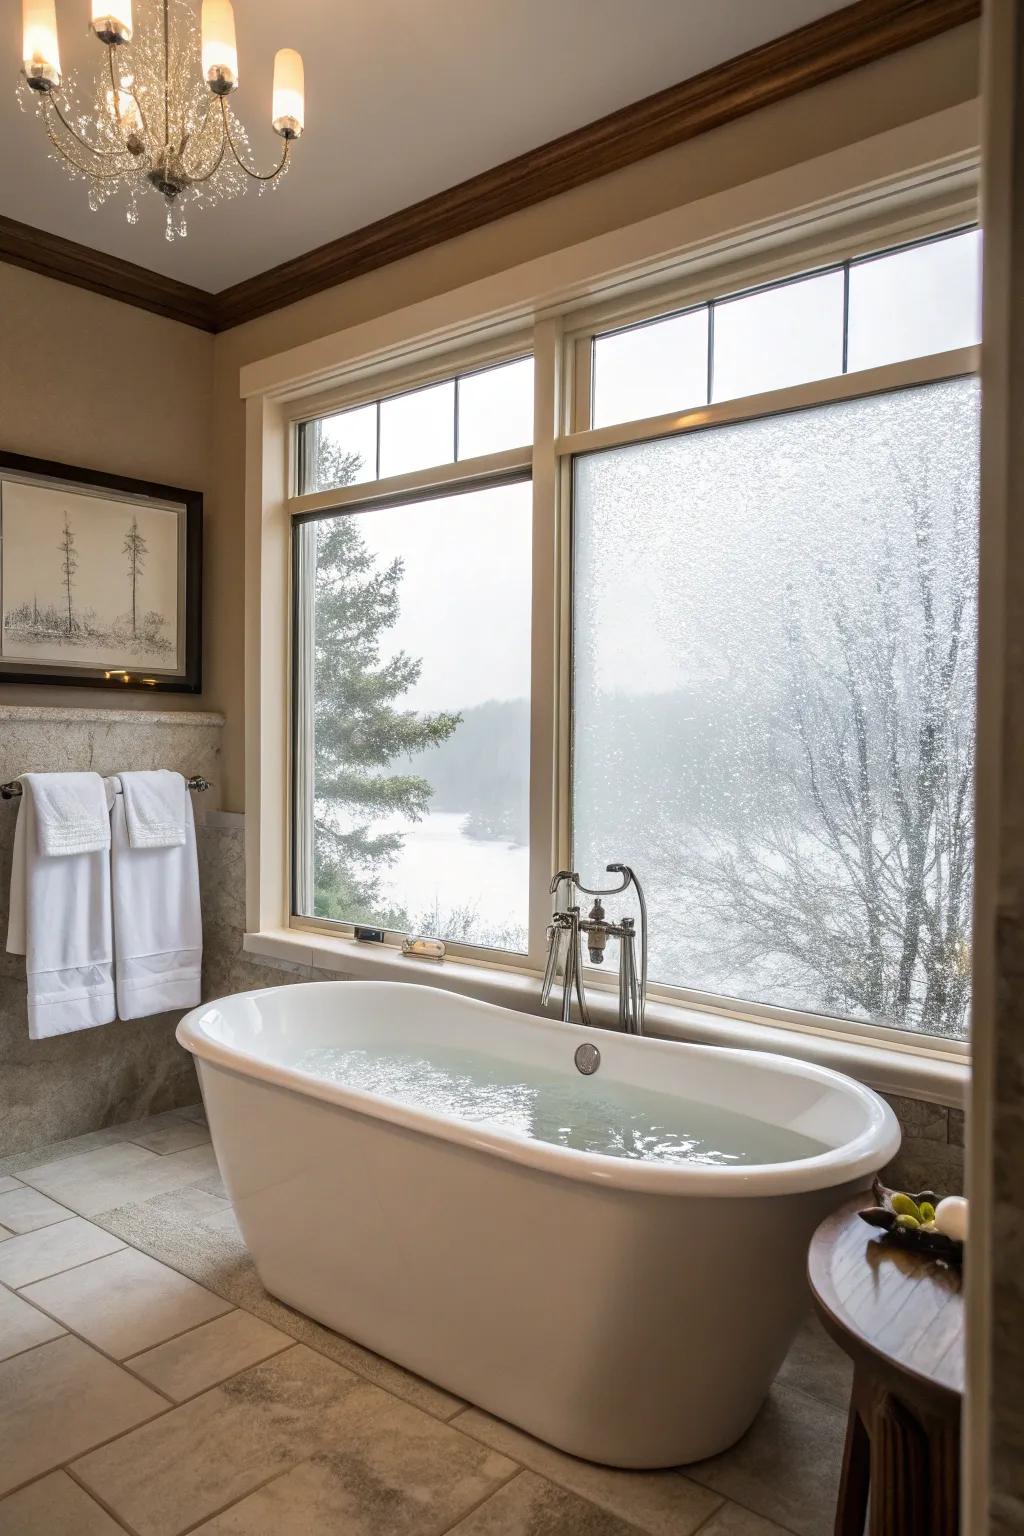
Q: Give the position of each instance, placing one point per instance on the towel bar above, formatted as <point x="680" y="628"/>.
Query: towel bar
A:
<point x="13" y="789"/>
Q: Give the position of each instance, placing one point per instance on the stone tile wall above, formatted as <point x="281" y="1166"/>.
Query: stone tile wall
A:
<point x="62" y="1087"/>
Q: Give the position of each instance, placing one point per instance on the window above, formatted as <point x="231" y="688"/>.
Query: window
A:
<point x="875" y="310"/>
<point x="412" y="803"/>
<point x="774" y="708"/>
<point x="457" y="419"/>
<point x="720" y="620"/>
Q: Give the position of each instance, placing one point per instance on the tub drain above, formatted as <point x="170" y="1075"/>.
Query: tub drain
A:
<point x="587" y="1059"/>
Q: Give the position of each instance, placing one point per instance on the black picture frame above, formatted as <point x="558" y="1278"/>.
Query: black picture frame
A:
<point x="190" y="678"/>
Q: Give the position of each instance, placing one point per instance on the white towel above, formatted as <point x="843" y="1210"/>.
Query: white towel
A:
<point x="155" y="807"/>
<point x="158" y="931"/>
<point x="60" y="918"/>
<point x="70" y="811"/>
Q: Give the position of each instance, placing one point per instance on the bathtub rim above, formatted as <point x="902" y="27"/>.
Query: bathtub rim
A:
<point x="858" y="1158"/>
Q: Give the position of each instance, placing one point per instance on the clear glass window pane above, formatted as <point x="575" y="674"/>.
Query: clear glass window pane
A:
<point x="417" y="430"/>
<point x="419" y="714"/>
<point x="916" y="302"/>
<point x="340" y="450"/>
<point x="496" y="409"/>
<point x="774" y="647"/>
<point x="781" y="336"/>
<point x="651" y="369"/>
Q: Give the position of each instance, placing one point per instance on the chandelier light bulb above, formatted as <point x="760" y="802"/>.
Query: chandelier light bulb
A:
<point x="220" y="53"/>
<point x="289" y="94"/>
<point x="112" y="21"/>
<point x="39" y="53"/>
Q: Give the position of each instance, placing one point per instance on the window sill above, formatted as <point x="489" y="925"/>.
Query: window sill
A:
<point x="912" y="1071"/>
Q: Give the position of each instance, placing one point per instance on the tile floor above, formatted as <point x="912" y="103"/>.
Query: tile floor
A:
<point x="149" y="1385"/>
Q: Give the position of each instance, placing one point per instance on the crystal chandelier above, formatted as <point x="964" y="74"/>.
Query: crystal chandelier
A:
<point x="159" y="117"/>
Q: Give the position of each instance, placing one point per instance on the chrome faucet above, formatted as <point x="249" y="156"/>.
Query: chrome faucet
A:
<point x="565" y="947"/>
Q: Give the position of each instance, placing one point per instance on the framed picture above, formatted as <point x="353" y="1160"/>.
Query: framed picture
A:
<point x="100" y="579"/>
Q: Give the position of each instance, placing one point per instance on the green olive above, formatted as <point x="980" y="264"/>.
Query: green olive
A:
<point x="911" y="1223"/>
<point x="904" y="1206"/>
<point x="927" y="1211"/>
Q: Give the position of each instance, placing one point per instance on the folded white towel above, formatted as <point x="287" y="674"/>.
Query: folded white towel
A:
<point x="70" y="812"/>
<point x="154" y="808"/>
<point x="158" y="931"/>
<point x="60" y="920"/>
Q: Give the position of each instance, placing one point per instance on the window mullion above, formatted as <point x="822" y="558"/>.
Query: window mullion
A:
<point x="546" y="662"/>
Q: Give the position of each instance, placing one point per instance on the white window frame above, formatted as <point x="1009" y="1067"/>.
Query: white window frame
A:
<point x="496" y="321"/>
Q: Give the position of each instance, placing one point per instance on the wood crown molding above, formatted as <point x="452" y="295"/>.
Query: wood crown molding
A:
<point x="53" y="256"/>
<point x="842" y="41"/>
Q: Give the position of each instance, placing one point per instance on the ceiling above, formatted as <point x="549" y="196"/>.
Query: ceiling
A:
<point x="403" y="99"/>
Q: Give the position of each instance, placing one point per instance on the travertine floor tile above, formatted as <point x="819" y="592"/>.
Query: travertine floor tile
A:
<point x="125" y="1302"/>
<point x="167" y="1228"/>
<point x="212" y="1451"/>
<point x="786" y="1467"/>
<point x="394" y="1471"/>
<point x="24" y="1210"/>
<point x="57" y="1401"/>
<point x="531" y="1506"/>
<point x="118" y="1175"/>
<point x="8" y="1183"/>
<point x="22" y="1327"/>
<point x="818" y="1366"/>
<point x="660" y="1503"/>
<point x="193" y="1112"/>
<point x="52" y="1249"/>
<point x="55" y="1506"/>
<point x="732" y="1520"/>
<point x="171" y="1132"/>
<point x="209" y="1354"/>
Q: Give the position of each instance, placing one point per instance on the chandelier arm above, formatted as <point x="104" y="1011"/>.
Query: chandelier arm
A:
<point x="103" y="154"/>
<point x="85" y="170"/>
<point x="197" y="133"/>
<point x="214" y="168"/>
<point x="256" y="175"/>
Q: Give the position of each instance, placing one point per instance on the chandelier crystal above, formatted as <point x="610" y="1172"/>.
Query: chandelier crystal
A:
<point x="158" y="117"/>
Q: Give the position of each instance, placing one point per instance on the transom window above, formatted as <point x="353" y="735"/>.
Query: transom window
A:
<point x="718" y="610"/>
<point x="866" y="313"/>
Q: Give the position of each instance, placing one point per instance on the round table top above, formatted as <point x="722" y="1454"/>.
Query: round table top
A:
<point x="885" y="1304"/>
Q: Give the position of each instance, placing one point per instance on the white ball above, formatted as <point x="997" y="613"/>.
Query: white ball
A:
<point x="951" y="1217"/>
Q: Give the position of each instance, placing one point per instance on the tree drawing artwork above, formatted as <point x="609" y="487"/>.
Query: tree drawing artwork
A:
<point x="71" y="604"/>
<point x="69" y="565"/>
<point x="135" y="548"/>
<point x="360" y="728"/>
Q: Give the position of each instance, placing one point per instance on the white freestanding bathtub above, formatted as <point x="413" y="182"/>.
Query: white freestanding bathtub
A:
<point x="631" y="1309"/>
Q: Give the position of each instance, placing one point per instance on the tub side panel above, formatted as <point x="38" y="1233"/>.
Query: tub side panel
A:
<point x="631" y="1329"/>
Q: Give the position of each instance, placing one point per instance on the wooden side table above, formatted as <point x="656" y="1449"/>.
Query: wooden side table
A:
<point x="900" y="1318"/>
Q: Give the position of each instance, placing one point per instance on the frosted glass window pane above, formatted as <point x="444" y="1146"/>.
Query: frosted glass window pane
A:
<point x="421" y="716"/>
<point x="774" y="648"/>
<point x="651" y="369"/>
<point x="779" y="337"/>
<point x="340" y="450"/>
<point x="916" y="302"/>
<point x="496" y="409"/>
<point x="417" y="430"/>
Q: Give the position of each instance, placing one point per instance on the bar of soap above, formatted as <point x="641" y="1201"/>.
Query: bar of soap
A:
<point x="951" y="1217"/>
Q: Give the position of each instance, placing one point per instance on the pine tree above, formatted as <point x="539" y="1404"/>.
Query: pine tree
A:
<point x="360" y="726"/>
<point x="135" y="548"/>
<point x="68" y="567"/>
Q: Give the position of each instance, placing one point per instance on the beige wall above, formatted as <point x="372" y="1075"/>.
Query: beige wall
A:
<point x="87" y="381"/>
<point x="897" y="90"/>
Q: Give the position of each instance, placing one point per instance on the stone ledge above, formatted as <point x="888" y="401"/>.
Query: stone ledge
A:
<point x="48" y="714"/>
